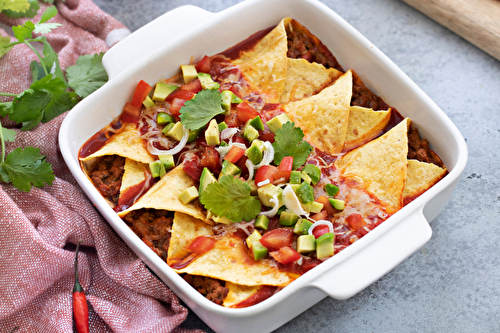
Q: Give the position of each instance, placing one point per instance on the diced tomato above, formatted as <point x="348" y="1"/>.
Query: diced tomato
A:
<point x="204" y="65"/>
<point x="237" y="138"/>
<point x="131" y="114"/>
<point x="246" y="112"/>
<point x="320" y="216"/>
<point x="285" y="168"/>
<point x="266" y="136"/>
<point x="234" y="154"/>
<point x="232" y="119"/>
<point x="320" y="230"/>
<point x="193" y="167"/>
<point x="326" y="204"/>
<point x="193" y="86"/>
<point x="210" y="159"/>
<point x="266" y="172"/>
<point x="182" y="94"/>
<point x="309" y="264"/>
<point x="175" y="107"/>
<point x="141" y="92"/>
<point x="355" y="221"/>
<point x="285" y="255"/>
<point x="201" y="244"/>
<point x="278" y="238"/>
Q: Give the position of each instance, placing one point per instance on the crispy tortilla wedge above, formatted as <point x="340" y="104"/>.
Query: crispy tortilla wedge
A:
<point x="420" y="177"/>
<point x="363" y="125"/>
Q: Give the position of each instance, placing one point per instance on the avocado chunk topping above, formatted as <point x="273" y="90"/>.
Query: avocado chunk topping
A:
<point x="148" y="102"/>
<point x="278" y="121"/>
<point x="258" y="250"/>
<point x="295" y="177"/>
<point x="229" y="168"/>
<point x="305" y="177"/>
<point x="253" y="187"/>
<point x="167" y="161"/>
<point x="262" y="222"/>
<point x="288" y="219"/>
<point x="254" y="237"/>
<point x="163" y="118"/>
<point x="313" y="172"/>
<point x="305" y="193"/>
<point x="302" y="227"/>
<point x="193" y="135"/>
<point x="189" y="73"/>
<point x="207" y="82"/>
<point x="212" y="133"/>
<point x="176" y="132"/>
<point x="162" y="91"/>
<point x="331" y="190"/>
<point x="188" y="195"/>
<point x="337" y="203"/>
<point x="167" y="128"/>
<point x="250" y="133"/>
<point x="254" y="154"/>
<point x="157" y="169"/>
<point x="306" y="244"/>
<point x="257" y="123"/>
<point x="206" y="178"/>
<point x="324" y="245"/>
<point x="222" y="126"/>
<point x="267" y="192"/>
<point x="316" y="207"/>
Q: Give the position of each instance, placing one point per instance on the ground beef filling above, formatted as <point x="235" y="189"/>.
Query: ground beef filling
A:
<point x="364" y="97"/>
<point x="214" y="290"/>
<point x="302" y="46"/>
<point x="418" y="149"/>
<point x="107" y="176"/>
<point x="153" y="227"/>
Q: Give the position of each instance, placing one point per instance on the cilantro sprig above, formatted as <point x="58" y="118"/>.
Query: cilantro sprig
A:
<point x="230" y="197"/>
<point x="197" y="112"/>
<point x="289" y="142"/>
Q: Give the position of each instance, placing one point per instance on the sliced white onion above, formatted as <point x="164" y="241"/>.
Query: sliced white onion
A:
<point x="228" y="133"/>
<point x="251" y="170"/>
<point x="321" y="222"/>
<point x="291" y="201"/>
<point x="268" y="155"/>
<point x="262" y="183"/>
<point x="154" y="151"/>
<point x="272" y="212"/>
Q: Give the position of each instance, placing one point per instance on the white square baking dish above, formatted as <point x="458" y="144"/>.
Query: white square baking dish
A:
<point x="155" y="52"/>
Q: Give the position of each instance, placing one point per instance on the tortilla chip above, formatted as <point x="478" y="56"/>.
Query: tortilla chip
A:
<point x="420" y="177"/>
<point x="305" y="79"/>
<point x="324" y="117"/>
<point x="363" y="125"/>
<point x="165" y="195"/>
<point x="265" y="65"/>
<point x="134" y="173"/>
<point x="228" y="260"/>
<point x="238" y="293"/>
<point x="382" y="164"/>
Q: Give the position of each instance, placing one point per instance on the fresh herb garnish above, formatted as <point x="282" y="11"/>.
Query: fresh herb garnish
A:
<point x="289" y="142"/>
<point x="197" y="112"/>
<point x="230" y="197"/>
<point x="87" y="75"/>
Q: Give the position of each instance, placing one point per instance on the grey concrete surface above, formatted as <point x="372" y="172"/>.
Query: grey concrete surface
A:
<point x="452" y="283"/>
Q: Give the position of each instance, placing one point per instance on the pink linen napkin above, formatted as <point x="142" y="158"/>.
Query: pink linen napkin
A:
<point x="38" y="229"/>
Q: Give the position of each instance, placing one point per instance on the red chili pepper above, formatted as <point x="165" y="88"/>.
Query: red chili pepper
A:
<point x="80" y="307"/>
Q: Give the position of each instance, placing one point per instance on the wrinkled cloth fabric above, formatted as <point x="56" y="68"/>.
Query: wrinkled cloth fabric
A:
<point x="39" y="229"/>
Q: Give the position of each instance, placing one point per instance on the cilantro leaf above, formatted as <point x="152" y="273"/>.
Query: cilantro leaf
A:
<point x="23" y="32"/>
<point x="43" y="28"/>
<point x="5" y="108"/>
<point x="8" y="134"/>
<point x="4" y="41"/>
<point x="49" y="13"/>
<point x="288" y="142"/>
<point x="230" y="197"/>
<point x="20" y="6"/>
<point x="197" y="112"/>
<point x="26" y="167"/>
<point x="50" y="61"/>
<point x="30" y="13"/>
<point x="87" y="75"/>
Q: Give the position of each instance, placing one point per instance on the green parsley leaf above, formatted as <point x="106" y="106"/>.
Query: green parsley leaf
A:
<point x="30" y="13"/>
<point x="26" y="167"/>
<point x="197" y="112"/>
<point x="288" y="142"/>
<point x="87" y="75"/>
<point x="4" y="41"/>
<point x="20" y="6"/>
<point x="230" y="197"/>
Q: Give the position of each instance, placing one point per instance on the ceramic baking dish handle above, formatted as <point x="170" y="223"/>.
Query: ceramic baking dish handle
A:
<point x="143" y="41"/>
<point x="362" y="269"/>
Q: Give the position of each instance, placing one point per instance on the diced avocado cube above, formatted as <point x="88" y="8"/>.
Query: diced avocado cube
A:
<point x="254" y="237"/>
<point x="257" y="123"/>
<point x="253" y="187"/>
<point x="222" y="126"/>
<point x="250" y="134"/>
<point x="288" y="219"/>
<point x="235" y="99"/>
<point x="229" y="168"/>
<point x="324" y="245"/>
<point x="278" y="121"/>
<point x="259" y="251"/>
<point x="176" y="132"/>
<point x="167" y="128"/>
<point x="305" y="177"/>
<point x="219" y="219"/>
<point x="167" y="161"/>
<point x="148" y="102"/>
<point x="162" y="90"/>
<point x="331" y="190"/>
<point x="157" y="169"/>
<point x="207" y="82"/>
<point x="258" y="143"/>
<point x="281" y="210"/>
<point x="337" y="203"/>
<point x="193" y="135"/>
<point x="302" y="227"/>
<point x="188" y="195"/>
<point x="224" y="144"/>
<point x="206" y="178"/>
<point x="306" y="244"/>
<point x="295" y="187"/>
<point x="313" y="172"/>
<point x="226" y="97"/>
<point x="305" y="193"/>
<point x="316" y="207"/>
<point x="163" y="118"/>
<point x="254" y="154"/>
<point x="306" y="208"/>
<point x="267" y="192"/>
<point x="262" y="222"/>
<point x="295" y="177"/>
<point x="212" y="133"/>
<point x="189" y="73"/>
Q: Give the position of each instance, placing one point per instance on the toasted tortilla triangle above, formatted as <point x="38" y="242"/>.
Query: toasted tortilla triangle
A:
<point x="165" y="195"/>
<point x="363" y="125"/>
<point x="238" y="293"/>
<point x="135" y="173"/>
<point x="382" y="164"/>
<point x="228" y="260"/>
<point x="265" y="65"/>
<point x="324" y="116"/>
<point x="420" y="177"/>
<point x="305" y="79"/>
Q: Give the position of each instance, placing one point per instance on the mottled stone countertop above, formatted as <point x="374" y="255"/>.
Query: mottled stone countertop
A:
<point x="453" y="283"/>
